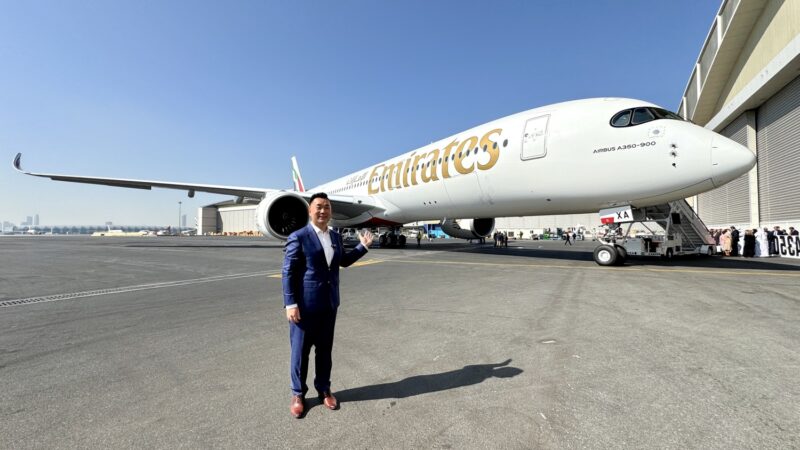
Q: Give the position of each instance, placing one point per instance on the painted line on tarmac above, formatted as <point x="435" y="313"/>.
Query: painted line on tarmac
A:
<point x="626" y="269"/>
<point x="367" y="262"/>
<point x="356" y="264"/>
<point x="120" y="290"/>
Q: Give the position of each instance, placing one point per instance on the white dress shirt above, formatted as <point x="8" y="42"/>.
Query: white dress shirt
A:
<point x="325" y="240"/>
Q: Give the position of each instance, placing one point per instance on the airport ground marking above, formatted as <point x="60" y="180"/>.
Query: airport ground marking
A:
<point x="124" y="289"/>
<point x="795" y="274"/>
<point x="366" y="263"/>
<point x="355" y="264"/>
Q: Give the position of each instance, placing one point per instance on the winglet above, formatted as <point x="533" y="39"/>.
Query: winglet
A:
<point x="18" y="162"/>
<point x="298" y="181"/>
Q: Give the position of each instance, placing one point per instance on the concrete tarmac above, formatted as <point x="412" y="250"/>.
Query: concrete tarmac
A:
<point x="183" y="343"/>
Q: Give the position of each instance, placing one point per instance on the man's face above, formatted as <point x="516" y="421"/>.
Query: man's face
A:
<point x="320" y="212"/>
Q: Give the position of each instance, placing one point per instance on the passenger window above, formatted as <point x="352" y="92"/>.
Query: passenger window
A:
<point x="622" y="119"/>
<point x="642" y="115"/>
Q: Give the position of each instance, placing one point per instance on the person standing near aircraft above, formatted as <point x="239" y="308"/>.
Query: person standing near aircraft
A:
<point x="734" y="241"/>
<point x="773" y="246"/>
<point x="314" y="254"/>
<point x="749" y="246"/>
<point x="725" y="242"/>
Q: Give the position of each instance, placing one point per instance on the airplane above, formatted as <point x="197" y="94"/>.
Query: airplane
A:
<point x="591" y="155"/>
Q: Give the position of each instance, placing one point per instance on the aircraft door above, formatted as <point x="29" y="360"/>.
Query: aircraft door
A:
<point x="534" y="141"/>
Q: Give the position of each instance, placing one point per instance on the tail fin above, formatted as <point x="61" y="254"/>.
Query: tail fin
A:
<point x="298" y="181"/>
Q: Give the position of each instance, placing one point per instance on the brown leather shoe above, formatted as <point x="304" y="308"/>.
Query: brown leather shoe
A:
<point x="329" y="400"/>
<point x="297" y="408"/>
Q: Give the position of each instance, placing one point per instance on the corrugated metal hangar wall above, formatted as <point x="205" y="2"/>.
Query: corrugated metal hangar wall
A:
<point x="777" y="145"/>
<point x="778" y="133"/>
<point x="730" y="204"/>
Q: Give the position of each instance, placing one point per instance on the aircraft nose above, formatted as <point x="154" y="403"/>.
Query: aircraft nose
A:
<point x="729" y="160"/>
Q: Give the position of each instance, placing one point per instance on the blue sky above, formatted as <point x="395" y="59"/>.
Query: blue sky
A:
<point x="226" y="92"/>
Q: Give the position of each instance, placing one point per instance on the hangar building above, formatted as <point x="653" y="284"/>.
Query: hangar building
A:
<point x="746" y="86"/>
<point x="227" y="217"/>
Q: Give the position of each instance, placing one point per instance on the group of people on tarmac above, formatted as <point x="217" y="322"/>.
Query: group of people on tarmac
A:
<point x="500" y="239"/>
<point x="751" y="243"/>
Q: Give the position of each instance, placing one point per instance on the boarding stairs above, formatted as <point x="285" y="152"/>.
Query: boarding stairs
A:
<point x="678" y="218"/>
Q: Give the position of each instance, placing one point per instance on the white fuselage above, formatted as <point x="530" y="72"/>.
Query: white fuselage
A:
<point x="558" y="159"/>
<point x="573" y="157"/>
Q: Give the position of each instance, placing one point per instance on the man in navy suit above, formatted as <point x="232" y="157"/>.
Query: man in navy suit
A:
<point x="311" y="298"/>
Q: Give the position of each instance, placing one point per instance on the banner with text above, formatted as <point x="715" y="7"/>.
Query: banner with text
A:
<point x="789" y="246"/>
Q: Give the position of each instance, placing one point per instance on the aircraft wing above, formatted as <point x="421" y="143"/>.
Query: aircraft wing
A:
<point x="248" y="192"/>
<point x="345" y="206"/>
<point x="349" y="206"/>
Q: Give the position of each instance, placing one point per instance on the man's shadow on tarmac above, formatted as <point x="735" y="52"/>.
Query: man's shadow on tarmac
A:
<point x="424" y="384"/>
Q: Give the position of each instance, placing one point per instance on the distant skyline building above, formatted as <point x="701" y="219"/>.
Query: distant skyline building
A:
<point x="36" y="220"/>
<point x="183" y="221"/>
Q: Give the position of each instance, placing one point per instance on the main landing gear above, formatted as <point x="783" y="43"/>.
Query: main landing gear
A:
<point x="392" y="239"/>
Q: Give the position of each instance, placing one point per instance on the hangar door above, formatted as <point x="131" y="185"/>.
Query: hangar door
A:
<point x="779" y="156"/>
<point x="534" y="141"/>
<point x="730" y="204"/>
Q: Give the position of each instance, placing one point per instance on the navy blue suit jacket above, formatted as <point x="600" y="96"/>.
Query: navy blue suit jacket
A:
<point x="307" y="279"/>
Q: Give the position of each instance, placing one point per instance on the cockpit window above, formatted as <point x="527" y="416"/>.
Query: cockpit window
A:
<point x="664" y="114"/>
<point x="642" y="115"/>
<point x="622" y="119"/>
<point x="637" y="116"/>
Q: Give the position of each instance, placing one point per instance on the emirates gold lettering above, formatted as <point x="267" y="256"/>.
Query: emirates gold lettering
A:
<point x="386" y="177"/>
<point x="461" y="153"/>
<point x="414" y="170"/>
<point x="372" y="179"/>
<point x="398" y="175"/>
<point x="406" y="170"/>
<point x="429" y="170"/>
<point x="492" y="148"/>
<point x="446" y="159"/>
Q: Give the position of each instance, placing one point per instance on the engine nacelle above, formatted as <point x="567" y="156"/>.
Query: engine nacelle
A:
<point x="468" y="228"/>
<point x="281" y="213"/>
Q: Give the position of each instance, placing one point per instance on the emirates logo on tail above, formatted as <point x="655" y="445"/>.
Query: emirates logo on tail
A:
<point x="296" y="179"/>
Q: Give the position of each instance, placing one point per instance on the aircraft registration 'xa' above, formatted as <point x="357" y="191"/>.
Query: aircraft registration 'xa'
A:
<point x="573" y="157"/>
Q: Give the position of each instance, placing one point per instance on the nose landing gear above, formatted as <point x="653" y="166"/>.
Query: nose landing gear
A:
<point x="610" y="255"/>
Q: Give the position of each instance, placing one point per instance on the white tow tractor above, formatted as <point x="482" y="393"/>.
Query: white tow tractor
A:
<point x="684" y="233"/>
<point x="654" y="245"/>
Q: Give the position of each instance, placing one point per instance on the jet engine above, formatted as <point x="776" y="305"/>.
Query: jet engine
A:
<point x="281" y="213"/>
<point x="468" y="228"/>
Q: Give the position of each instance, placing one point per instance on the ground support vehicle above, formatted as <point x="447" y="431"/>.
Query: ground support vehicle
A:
<point x="684" y="233"/>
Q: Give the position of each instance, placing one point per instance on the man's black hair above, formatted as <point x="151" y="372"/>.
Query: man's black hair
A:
<point x="318" y="195"/>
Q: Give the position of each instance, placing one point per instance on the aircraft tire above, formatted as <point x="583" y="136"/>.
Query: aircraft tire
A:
<point x="401" y="241"/>
<point x="605" y="255"/>
<point x="669" y="254"/>
<point x="622" y="255"/>
<point x="383" y="240"/>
